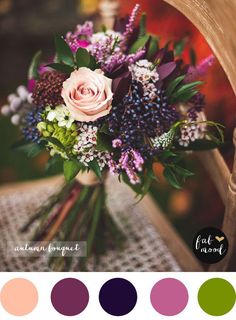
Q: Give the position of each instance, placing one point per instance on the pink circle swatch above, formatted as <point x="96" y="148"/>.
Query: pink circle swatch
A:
<point x="19" y="297"/>
<point x="169" y="297"/>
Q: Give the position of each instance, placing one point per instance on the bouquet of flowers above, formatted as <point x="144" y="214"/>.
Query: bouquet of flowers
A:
<point x="108" y="101"/>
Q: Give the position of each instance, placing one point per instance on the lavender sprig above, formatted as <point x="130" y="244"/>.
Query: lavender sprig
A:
<point x="129" y="29"/>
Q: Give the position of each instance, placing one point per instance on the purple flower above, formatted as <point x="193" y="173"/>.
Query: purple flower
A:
<point x="130" y="161"/>
<point x="129" y="28"/>
<point x="200" y="70"/>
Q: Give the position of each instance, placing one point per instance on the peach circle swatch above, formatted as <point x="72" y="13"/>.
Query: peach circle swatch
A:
<point x="19" y="297"/>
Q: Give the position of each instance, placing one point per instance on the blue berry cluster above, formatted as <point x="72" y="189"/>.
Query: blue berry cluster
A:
<point x="30" y="121"/>
<point x="138" y="118"/>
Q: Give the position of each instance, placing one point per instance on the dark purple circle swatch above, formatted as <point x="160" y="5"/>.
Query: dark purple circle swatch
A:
<point x="69" y="297"/>
<point x="118" y="296"/>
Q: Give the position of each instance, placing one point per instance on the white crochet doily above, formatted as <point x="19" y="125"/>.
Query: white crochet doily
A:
<point x="144" y="250"/>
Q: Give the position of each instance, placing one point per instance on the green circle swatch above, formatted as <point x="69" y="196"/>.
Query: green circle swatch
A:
<point x="216" y="297"/>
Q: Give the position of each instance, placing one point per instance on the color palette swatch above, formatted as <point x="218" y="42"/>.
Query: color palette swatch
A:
<point x="169" y="297"/>
<point x="118" y="296"/>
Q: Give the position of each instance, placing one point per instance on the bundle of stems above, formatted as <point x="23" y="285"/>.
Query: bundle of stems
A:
<point x="77" y="213"/>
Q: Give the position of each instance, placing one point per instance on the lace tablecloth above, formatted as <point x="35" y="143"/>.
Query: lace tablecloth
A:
<point x="144" y="250"/>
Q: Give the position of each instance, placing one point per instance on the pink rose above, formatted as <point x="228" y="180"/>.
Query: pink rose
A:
<point x="87" y="94"/>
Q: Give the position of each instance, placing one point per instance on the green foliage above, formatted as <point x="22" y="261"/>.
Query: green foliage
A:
<point x="82" y="58"/>
<point x="192" y="56"/>
<point x="71" y="168"/>
<point x="153" y="47"/>
<point x="104" y="142"/>
<point x="173" y="84"/>
<point x="199" y="145"/>
<point x="34" y="65"/>
<point x="142" y="25"/>
<point x="179" y="47"/>
<point x="31" y="149"/>
<point x="61" y="67"/>
<point x="94" y="166"/>
<point x="63" y="51"/>
<point x="176" y="175"/>
<point x="54" y="141"/>
<point x="54" y="163"/>
<point x="139" y="43"/>
<point x="178" y="92"/>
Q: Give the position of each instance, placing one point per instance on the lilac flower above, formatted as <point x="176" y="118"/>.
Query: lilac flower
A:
<point x="116" y="143"/>
<point x="200" y="70"/>
<point x="130" y="161"/>
<point x="80" y="38"/>
<point x="129" y="29"/>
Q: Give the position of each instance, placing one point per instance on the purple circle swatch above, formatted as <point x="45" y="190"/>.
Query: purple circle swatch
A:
<point x="169" y="297"/>
<point x="69" y="297"/>
<point x="118" y="297"/>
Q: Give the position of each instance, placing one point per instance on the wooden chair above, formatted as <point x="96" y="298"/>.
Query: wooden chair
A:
<point x="216" y="22"/>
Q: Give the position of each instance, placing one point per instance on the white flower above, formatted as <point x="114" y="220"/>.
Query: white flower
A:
<point x="102" y="36"/>
<point x="61" y="114"/>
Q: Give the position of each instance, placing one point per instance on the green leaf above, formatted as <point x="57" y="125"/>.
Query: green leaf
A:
<point x="193" y="57"/>
<point x="139" y="44"/>
<point x="71" y="168"/>
<point x="31" y="149"/>
<point x="104" y="129"/>
<point x="63" y="51"/>
<point x="82" y="58"/>
<point x="99" y="205"/>
<point x="104" y="28"/>
<point x="179" y="47"/>
<point x="54" y="163"/>
<point x="153" y="47"/>
<point x="54" y="141"/>
<point x="167" y="45"/>
<point x="173" y="84"/>
<point x="200" y="145"/>
<point x="93" y="64"/>
<point x="183" y="97"/>
<point x="182" y="171"/>
<point x="34" y="65"/>
<point x="171" y="177"/>
<point x="104" y="142"/>
<point x="187" y="87"/>
<point x="93" y="165"/>
<point x="61" y="67"/>
<point x="137" y="188"/>
<point x="142" y="25"/>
